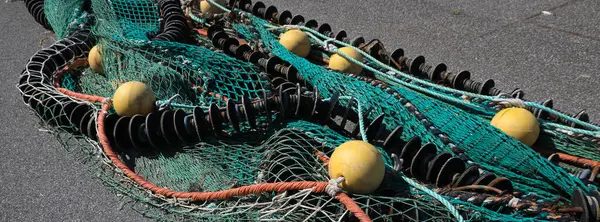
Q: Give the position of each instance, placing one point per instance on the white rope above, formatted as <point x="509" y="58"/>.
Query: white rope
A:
<point x="513" y="202"/>
<point x="167" y="103"/>
<point x="511" y="102"/>
<point x="333" y="187"/>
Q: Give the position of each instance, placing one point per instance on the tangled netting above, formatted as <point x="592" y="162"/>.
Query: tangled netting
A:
<point x="274" y="168"/>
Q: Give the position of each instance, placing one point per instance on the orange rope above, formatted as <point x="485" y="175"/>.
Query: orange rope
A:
<point x="577" y="160"/>
<point x="82" y="96"/>
<point x="319" y="187"/>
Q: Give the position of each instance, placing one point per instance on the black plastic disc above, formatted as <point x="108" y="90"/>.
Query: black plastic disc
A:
<point x="468" y="177"/>
<point x="167" y="127"/>
<point x="256" y="7"/>
<point x="109" y="126"/>
<point x="435" y="166"/>
<point x="136" y="132"/>
<point x="324" y="28"/>
<point x="459" y="79"/>
<point x="484" y="88"/>
<point x="595" y="204"/>
<point x="315" y="107"/>
<point x="393" y="141"/>
<point x="215" y="119"/>
<point x="200" y="123"/>
<point x="436" y="75"/>
<point x="233" y="115"/>
<point x="409" y="150"/>
<point x="83" y="123"/>
<point x="284" y="17"/>
<point x="418" y="167"/>
<point x="68" y="109"/>
<point x="241" y="50"/>
<point x="297" y="20"/>
<point x="283" y="102"/>
<point x="356" y="129"/>
<point x="332" y="104"/>
<point x="91" y="129"/>
<point x="269" y="12"/>
<point x="583" y="116"/>
<point x="578" y="199"/>
<point x="153" y="130"/>
<point x="541" y="114"/>
<point x="180" y="127"/>
<point x="121" y="133"/>
<point x="485" y="179"/>
<point x="267" y="110"/>
<point x="373" y="127"/>
<point x="502" y="184"/>
<point x="218" y="37"/>
<point x="416" y="64"/>
<point x="77" y="114"/>
<point x="341" y="35"/>
<point x="249" y="112"/>
<point x="452" y="167"/>
<point x="346" y="111"/>
<point x="357" y="41"/>
<point x="311" y="24"/>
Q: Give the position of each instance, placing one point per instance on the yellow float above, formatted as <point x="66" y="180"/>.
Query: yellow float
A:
<point x="133" y="98"/>
<point x="95" y="60"/>
<point x="208" y="8"/>
<point x="341" y="64"/>
<point x="296" y="41"/>
<point x="361" y="165"/>
<point x="518" y="123"/>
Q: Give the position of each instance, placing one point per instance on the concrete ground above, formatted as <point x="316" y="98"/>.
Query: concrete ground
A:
<point x="549" y="48"/>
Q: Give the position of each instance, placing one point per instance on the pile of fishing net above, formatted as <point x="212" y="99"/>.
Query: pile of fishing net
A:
<point x="241" y="128"/>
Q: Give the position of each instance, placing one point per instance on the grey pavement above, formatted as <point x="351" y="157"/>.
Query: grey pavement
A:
<point x="549" y="55"/>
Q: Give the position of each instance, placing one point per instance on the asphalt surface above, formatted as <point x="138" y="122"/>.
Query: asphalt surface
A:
<point x="553" y="54"/>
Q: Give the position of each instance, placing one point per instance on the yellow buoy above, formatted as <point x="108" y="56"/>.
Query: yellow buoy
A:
<point x="339" y="63"/>
<point x="518" y="123"/>
<point x="361" y="165"/>
<point x="133" y="98"/>
<point x="296" y="41"/>
<point x="208" y="8"/>
<point x="95" y="60"/>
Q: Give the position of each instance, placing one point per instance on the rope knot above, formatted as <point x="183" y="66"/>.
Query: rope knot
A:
<point x="333" y="187"/>
<point x="107" y="101"/>
<point x="512" y="102"/>
<point x="291" y="26"/>
<point x="167" y="103"/>
<point x="327" y="45"/>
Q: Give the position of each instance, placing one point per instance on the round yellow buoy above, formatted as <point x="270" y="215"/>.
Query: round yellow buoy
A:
<point x="296" y="41"/>
<point x="339" y="63"/>
<point x="361" y="165"/>
<point x="518" y="123"/>
<point x="208" y="8"/>
<point x="95" y="60"/>
<point x="133" y="98"/>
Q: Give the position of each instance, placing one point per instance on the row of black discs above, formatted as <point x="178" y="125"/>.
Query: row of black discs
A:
<point x="417" y="66"/>
<point x="414" y="66"/>
<point x="445" y="164"/>
<point x="421" y="162"/>
<point x="589" y="204"/>
<point x="271" y="64"/>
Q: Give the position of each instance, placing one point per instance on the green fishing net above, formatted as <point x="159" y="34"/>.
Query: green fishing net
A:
<point x="197" y="75"/>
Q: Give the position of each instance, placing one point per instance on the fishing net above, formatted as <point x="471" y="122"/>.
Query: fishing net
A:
<point x="273" y="164"/>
